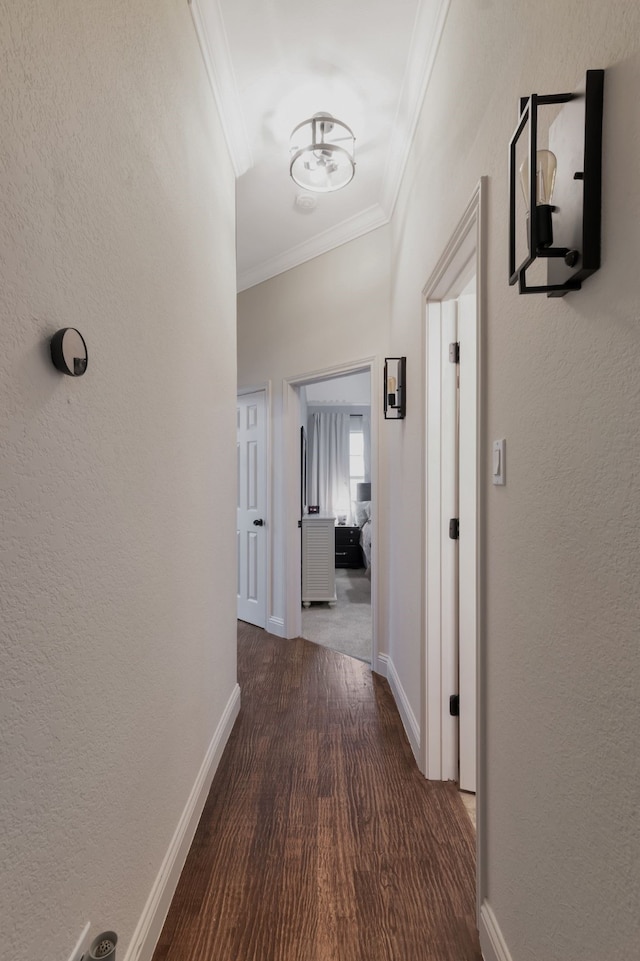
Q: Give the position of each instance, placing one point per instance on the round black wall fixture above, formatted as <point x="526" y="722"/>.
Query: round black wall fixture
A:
<point x="69" y="352"/>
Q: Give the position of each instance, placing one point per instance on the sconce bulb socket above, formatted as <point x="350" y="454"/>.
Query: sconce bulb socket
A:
<point x="544" y="225"/>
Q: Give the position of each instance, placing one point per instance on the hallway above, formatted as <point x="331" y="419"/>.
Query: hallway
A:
<point x="320" y="839"/>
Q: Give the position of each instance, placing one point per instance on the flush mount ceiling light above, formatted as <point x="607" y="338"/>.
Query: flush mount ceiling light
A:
<point x="322" y="150"/>
<point x="565" y="233"/>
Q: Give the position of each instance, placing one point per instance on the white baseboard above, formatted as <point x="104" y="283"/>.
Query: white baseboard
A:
<point x="275" y="625"/>
<point x="149" y="926"/>
<point x="492" y="942"/>
<point x="381" y="665"/>
<point x="407" y="716"/>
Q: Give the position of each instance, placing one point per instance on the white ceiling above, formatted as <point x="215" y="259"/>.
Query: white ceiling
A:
<point x="274" y="63"/>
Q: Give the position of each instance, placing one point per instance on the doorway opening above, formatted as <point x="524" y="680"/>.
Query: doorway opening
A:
<point x="452" y="682"/>
<point x="332" y="578"/>
<point x="452" y="512"/>
<point x="336" y="589"/>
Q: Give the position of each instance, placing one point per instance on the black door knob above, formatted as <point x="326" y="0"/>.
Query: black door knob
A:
<point x="258" y="523"/>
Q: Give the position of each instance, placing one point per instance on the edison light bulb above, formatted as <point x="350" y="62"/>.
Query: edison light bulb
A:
<point x="546" y="166"/>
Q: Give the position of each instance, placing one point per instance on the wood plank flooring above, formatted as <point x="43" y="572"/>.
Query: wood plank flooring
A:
<point x="320" y="839"/>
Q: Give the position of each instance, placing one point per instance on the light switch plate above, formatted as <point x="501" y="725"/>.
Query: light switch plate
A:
<point x="498" y="464"/>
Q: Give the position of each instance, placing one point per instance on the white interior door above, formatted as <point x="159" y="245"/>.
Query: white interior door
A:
<point x="251" y="513"/>
<point x="449" y="546"/>
<point x="467" y="544"/>
<point x="452" y="477"/>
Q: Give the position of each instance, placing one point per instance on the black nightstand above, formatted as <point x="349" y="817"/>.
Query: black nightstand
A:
<point x="348" y="550"/>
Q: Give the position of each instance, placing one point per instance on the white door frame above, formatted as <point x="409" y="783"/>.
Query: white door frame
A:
<point x="266" y="389"/>
<point x="291" y="442"/>
<point x="464" y="254"/>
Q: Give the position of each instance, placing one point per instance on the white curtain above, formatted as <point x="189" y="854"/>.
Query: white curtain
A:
<point x="366" y="431"/>
<point x="329" y="463"/>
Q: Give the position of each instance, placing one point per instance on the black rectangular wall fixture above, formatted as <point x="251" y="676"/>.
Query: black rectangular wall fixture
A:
<point x="572" y="249"/>
<point x="576" y="134"/>
<point x="395" y="404"/>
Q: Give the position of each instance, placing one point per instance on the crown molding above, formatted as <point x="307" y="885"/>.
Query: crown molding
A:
<point x="361" y="223"/>
<point x="427" y="33"/>
<point x="214" y="47"/>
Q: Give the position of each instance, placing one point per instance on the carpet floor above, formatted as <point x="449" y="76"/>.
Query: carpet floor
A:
<point x="347" y="626"/>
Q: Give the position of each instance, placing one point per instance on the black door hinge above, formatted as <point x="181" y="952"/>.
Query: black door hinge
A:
<point x="454" y="705"/>
<point x="454" y="353"/>
<point x="454" y="529"/>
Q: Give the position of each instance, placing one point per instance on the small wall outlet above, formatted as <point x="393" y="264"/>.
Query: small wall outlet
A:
<point x="81" y="950"/>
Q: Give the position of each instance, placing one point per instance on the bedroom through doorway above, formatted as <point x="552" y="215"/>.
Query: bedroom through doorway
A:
<point x="336" y="512"/>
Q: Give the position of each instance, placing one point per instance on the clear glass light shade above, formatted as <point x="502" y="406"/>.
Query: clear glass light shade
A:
<point x="322" y="151"/>
<point x="546" y="165"/>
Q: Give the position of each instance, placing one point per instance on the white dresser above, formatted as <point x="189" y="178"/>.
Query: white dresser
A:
<point x="318" y="559"/>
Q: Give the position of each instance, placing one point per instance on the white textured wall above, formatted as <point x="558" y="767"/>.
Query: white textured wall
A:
<point x="117" y="596"/>
<point x="353" y="389"/>
<point x="326" y="312"/>
<point x="562" y="557"/>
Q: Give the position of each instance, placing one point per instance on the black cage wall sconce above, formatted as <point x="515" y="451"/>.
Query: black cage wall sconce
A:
<point x="395" y="402"/>
<point x="566" y="233"/>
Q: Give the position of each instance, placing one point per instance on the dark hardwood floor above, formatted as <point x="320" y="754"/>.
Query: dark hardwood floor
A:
<point x="320" y="839"/>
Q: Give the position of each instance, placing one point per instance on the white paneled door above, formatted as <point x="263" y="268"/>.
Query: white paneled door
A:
<point x="468" y="544"/>
<point x="252" y="503"/>
<point x="459" y="498"/>
<point x="452" y="537"/>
